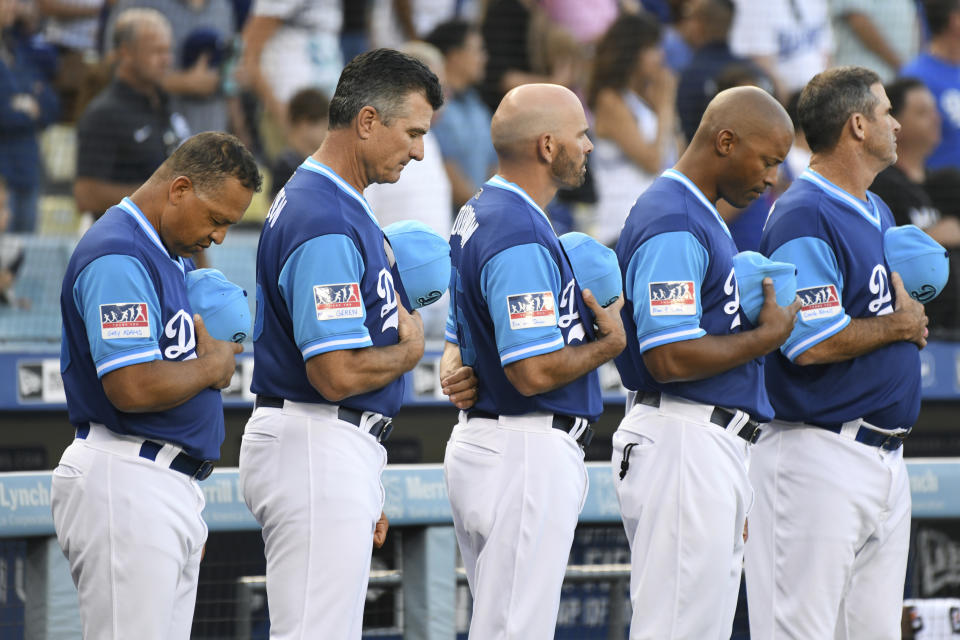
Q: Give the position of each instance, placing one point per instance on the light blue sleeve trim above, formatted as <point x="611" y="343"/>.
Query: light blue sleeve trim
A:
<point x="117" y="279"/>
<point x="325" y="260"/>
<point x="666" y="257"/>
<point x="355" y="341"/>
<point x="125" y="360"/>
<point x="521" y="269"/>
<point x="816" y="266"/>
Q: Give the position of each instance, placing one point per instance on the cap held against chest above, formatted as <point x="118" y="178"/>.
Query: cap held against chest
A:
<point x="594" y="265"/>
<point x="221" y="304"/>
<point x="423" y="260"/>
<point x="750" y="268"/>
<point x="923" y="264"/>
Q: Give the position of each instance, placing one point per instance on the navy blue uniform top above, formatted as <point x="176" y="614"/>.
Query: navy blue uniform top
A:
<point x="324" y="283"/>
<point x="124" y="302"/>
<point x="676" y="256"/>
<point x="836" y="241"/>
<point x="514" y="296"/>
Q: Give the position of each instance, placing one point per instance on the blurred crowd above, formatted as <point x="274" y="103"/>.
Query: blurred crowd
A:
<point x="131" y="79"/>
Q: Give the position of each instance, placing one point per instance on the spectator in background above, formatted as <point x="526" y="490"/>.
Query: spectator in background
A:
<point x="306" y="128"/>
<point x="27" y="105"/>
<point x="798" y="159"/>
<point x="129" y="129"/>
<point x="943" y="187"/>
<point x="709" y="28"/>
<point x="289" y="45"/>
<point x="423" y="191"/>
<point x="73" y="27"/>
<point x="901" y="184"/>
<point x="202" y="33"/>
<point x="790" y="39"/>
<point x="462" y="128"/>
<point x="507" y="29"/>
<point x="879" y="36"/>
<point x="11" y="253"/>
<point x="939" y="68"/>
<point x="393" y="22"/>
<point x="633" y="96"/>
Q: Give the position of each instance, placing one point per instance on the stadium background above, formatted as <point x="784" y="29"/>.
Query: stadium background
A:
<point x="418" y="561"/>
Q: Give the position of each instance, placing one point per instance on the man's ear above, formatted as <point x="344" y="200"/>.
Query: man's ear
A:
<point x="856" y="124"/>
<point x="179" y="188"/>
<point x="546" y="147"/>
<point x="725" y="142"/>
<point x="367" y="119"/>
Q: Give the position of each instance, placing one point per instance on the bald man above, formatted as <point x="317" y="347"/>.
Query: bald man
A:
<point x="693" y="371"/>
<point x="514" y="462"/>
<point x="831" y="529"/>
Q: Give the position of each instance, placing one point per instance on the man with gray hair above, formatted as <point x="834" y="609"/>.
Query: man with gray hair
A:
<point x="830" y="525"/>
<point x="128" y="130"/>
<point x="328" y="374"/>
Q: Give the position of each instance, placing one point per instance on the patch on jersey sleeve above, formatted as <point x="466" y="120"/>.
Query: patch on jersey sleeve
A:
<point x="674" y="298"/>
<point x="528" y="310"/>
<point x="338" y="301"/>
<point x="124" y="320"/>
<point x="818" y="302"/>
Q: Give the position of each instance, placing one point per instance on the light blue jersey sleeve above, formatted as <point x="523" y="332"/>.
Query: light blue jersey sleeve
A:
<point x="664" y="278"/>
<point x="521" y="287"/>
<point x="820" y="289"/>
<point x="121" y="312"/>
<point x="320" y="284"/>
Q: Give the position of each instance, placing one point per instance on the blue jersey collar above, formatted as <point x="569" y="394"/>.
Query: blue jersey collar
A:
<point x="133" y="210"/>
<point x="673" y="174"/>
<point x="835" y="192"/>
<point x="312" y="165"/>
<point x="500" y="183"/>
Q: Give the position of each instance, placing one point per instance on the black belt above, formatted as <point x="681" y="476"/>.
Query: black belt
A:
<point x="560" y="421"/>
<point x="720" y="416"/>
<point x="869" y="437"/>
<point x="184" y="463"/>
<point x="380" y="429"/>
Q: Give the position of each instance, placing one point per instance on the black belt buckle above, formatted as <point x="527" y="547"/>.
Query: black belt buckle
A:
<point x="383" y="428"/>
<point x="203" y="471"/>
<point x="586" y="437"/>
<point x="891" y="442"/>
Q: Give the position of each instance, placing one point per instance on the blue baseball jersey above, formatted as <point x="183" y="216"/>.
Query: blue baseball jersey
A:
<point x="514" y="296"/>
<point x="124" y="302"/>
<point x="836" y="241"/>
<point x="324" y="283"/>
<point x="676" y="256"/>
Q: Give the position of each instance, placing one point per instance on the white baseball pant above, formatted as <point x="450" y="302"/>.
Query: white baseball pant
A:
<point x="133" y="534"/>
<point x="684" y="500"/>
<point x="829" y="536"/>
<point x="516" y="486"/>
<point x="312" y="481"/>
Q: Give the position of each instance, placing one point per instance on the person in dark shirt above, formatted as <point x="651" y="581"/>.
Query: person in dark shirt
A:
<point x="306" y="128"/>
<point x="128" y="130"/>
<point x="904" y="186"/>
<point x="943" y="188"/>
<point x="711" y="20"/>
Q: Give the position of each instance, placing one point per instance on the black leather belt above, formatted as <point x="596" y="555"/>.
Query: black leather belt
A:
<point x="560" y="421"/>
<point x="720" y="416"/>
<point x="184" y="463"/>
<point x="869" y="437"/>
<point x="380" y="429"/>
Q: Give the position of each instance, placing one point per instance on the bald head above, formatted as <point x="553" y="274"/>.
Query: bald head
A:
<point x="131" y="23"/>
<point x="745" y="111"/>
<point x="529" y="111"/>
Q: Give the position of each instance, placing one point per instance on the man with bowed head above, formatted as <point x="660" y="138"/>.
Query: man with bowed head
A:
<point x="518" y="319"/>
<point x="142" y="378"/>
<point x="694" y="371"/>
<point x="831" y="524"/>
<point x="332" y="338"/>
